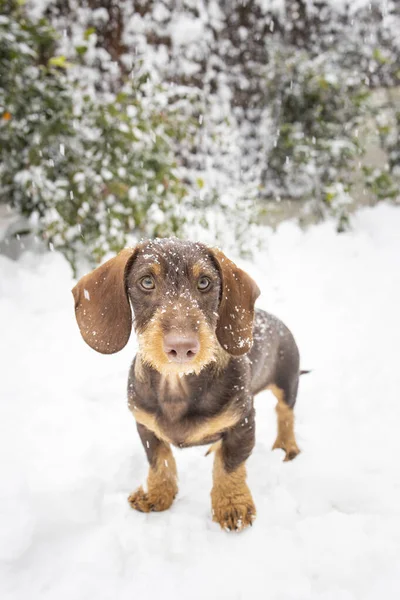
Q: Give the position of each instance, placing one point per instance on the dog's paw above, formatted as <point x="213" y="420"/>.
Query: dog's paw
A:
<point x="153" y="500"/>
<point x="234" y="516"/>
<point x="139" y="500"/>
<point x="291" y="449"/>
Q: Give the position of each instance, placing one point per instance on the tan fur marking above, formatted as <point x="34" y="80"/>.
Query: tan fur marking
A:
<point x="156" y="268"/>
<point x="152" y="351"/>
<point x="208" y="428"/>
<point x="161" y="484"/>
<point x="213" y="448"/>
<point x="286" y="439"/>
<point x="197" y="269"/>
<point x="139" y="371"/>
<point x="151" y="423"/>
<point x="232" y="504"/>
<point x="173" y="384"/>
<point x="221" y="358"/>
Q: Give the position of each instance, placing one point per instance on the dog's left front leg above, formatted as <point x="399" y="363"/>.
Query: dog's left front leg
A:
<point x="162" y="484"/>
<point x="232" y="504"/>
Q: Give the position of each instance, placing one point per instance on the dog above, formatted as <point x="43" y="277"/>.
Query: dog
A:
<point x="204" y="353"/>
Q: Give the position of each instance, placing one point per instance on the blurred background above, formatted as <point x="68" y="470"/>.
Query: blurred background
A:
<point x="198" y="118"/>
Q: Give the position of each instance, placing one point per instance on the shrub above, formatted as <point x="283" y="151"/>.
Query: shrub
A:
<point x="385" y="182"/>
<point x="318" y="108"/>
<point x="87" y="170"/>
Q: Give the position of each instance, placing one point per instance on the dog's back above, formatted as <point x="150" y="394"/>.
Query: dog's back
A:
<point x="274" y="357"/>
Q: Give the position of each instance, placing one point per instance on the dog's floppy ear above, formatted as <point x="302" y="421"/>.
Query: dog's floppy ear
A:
<point x="102" y="306"/>
<point x="236" y="308"/>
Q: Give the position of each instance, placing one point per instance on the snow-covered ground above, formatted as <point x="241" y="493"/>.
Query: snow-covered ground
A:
<point x="328" y="525"/>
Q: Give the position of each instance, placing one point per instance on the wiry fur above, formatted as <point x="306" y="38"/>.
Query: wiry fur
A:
<point x="152" y="352"/>
<point x="208" y="400"/>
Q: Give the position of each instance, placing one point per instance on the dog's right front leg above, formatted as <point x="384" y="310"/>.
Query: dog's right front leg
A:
<point x="232" y="503"/>
<point x="162" y="484"/>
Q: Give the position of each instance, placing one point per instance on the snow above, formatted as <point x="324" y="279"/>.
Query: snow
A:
<point x="328" y="525"/>
<point x="186" y="30"/>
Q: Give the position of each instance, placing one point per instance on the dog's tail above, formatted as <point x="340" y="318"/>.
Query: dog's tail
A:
<point x="305" y="372"/>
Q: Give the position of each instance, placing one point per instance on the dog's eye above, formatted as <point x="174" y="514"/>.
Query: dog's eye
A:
<point x="147" y="283"/>
<point x="203" y="283"/>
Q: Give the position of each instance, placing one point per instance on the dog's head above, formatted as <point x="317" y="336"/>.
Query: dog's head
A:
<point x="188" y="300"/>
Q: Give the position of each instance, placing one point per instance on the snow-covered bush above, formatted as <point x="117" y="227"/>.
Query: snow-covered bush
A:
<point x="253" y="65"/>
<point x="88" y="170"/>
<point x="385" y="181"/>
<point x="157" y="117"/>
<point x="319" y="106"/>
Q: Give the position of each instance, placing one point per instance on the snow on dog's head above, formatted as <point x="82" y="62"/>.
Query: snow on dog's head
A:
<point x="191" y="305"/>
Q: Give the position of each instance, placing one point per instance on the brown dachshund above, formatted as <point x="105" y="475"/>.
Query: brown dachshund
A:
<point x="204" y="352"/>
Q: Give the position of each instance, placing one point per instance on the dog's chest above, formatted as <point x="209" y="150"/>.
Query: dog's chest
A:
<point x="177" y="415"/>
<point x="187" y="431"/>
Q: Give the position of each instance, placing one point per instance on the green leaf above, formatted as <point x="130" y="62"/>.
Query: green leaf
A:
<point x="81" y="50"/>
<point x="89" y="32"/>
<point x="59" y="61"/>
<point x="379" y="57"/>
<point x="329" y="196"/>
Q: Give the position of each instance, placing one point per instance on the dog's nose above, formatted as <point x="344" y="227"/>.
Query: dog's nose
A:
<point x="180" y="348"/>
